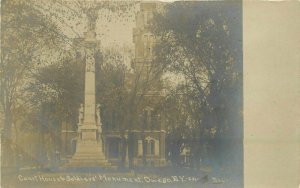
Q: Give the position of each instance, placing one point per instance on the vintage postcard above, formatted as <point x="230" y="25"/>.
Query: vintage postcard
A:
<point x="121" y="94"/>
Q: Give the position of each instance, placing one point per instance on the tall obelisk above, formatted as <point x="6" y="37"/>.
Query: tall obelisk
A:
<point x="89" y="143"/>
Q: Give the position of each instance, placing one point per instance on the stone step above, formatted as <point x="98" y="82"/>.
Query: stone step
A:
<point x="79" y="158"/>
<point x="88" y="158"/>
<point x="80" y="150"/>
<point x="89" y="145"/>
<point x="88" y="142"/>
<point x="91" y="149"/>
<point x="88" y="150"/>
<point x="83" y="157"/>
<point x="90" y="153"/>
<point x="97" y="154"/>
<point x="88" y="163"/>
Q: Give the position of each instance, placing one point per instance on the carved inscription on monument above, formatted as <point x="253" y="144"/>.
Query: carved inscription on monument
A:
<point x="90" y="61"/>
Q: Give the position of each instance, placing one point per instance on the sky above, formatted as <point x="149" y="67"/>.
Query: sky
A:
<point x="112" y="28"/>
<point x="116" y="32"/>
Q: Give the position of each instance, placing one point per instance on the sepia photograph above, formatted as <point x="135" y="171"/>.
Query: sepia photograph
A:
<point x="121" y="94"/>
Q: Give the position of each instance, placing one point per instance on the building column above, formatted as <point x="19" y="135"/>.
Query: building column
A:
<point x="140" y="148"/>
<point x="162" y="146"/>
<point x="126" y="153"/>
<point x="105" y="147"/>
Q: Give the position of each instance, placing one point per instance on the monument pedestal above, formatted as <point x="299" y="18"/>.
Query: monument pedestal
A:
<point x="89" y="152"/>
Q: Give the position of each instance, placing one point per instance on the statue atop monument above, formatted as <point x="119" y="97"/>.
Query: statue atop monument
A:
<point x="92" y="16"/>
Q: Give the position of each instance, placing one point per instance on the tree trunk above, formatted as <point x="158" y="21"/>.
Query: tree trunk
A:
<point x="18" y="148"/>
<point x="7" y="150"/>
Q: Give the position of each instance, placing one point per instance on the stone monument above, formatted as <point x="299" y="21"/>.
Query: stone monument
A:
<point x="89" y="151"/>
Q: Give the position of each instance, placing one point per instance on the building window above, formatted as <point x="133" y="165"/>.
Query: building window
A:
<point x="153" y="121"/>
<point x="148" y="45"/>
<point x="145" y="119"/>
<point x="145" y="18"/>
<point x="113" y="119"/>
<point x="152" y="147"/>
<point x="140" y="147"/>
<point x="148" y="16"/>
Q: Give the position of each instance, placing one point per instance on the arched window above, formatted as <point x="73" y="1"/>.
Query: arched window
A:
<point x="147" y="117"/>
<point x="152" y="146"/>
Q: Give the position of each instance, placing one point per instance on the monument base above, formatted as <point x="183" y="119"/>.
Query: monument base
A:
<point x="89" y="151"/>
